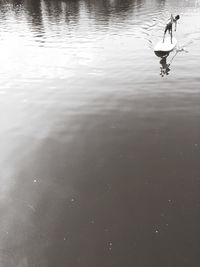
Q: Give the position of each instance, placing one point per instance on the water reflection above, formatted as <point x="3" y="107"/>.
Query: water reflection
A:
<point x="16" y="3"/>
<point x="112" y="7"/>
<point x="57" y="10"/>
<point x="166" y="62"/>
<point x="70" y="9"/>
<point x="164" y="70"/>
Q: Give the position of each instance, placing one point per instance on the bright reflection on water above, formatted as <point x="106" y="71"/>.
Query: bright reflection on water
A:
<point x="99" y="162"/>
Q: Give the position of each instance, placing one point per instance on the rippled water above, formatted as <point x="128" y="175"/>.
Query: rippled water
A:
<point x="99" y="162"/>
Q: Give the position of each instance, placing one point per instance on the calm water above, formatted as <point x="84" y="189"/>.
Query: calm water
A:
<point x="100" y="154"/>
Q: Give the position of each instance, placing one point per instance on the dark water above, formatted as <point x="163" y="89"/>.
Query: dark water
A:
<point x="100" y="155"/>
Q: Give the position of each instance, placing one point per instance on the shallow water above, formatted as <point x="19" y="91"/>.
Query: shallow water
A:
<point x="99" y="162"/>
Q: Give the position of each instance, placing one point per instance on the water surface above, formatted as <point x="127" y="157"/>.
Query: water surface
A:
<point x="99" y="162"/>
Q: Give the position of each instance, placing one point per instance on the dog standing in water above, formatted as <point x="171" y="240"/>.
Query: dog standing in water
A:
<point x="169" y="26"/>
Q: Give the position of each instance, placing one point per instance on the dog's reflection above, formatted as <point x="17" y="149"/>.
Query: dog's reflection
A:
<point x="164" y="69"/>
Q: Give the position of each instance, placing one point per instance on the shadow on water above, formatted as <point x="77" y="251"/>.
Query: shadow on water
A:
<point x="102" y="199"/>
